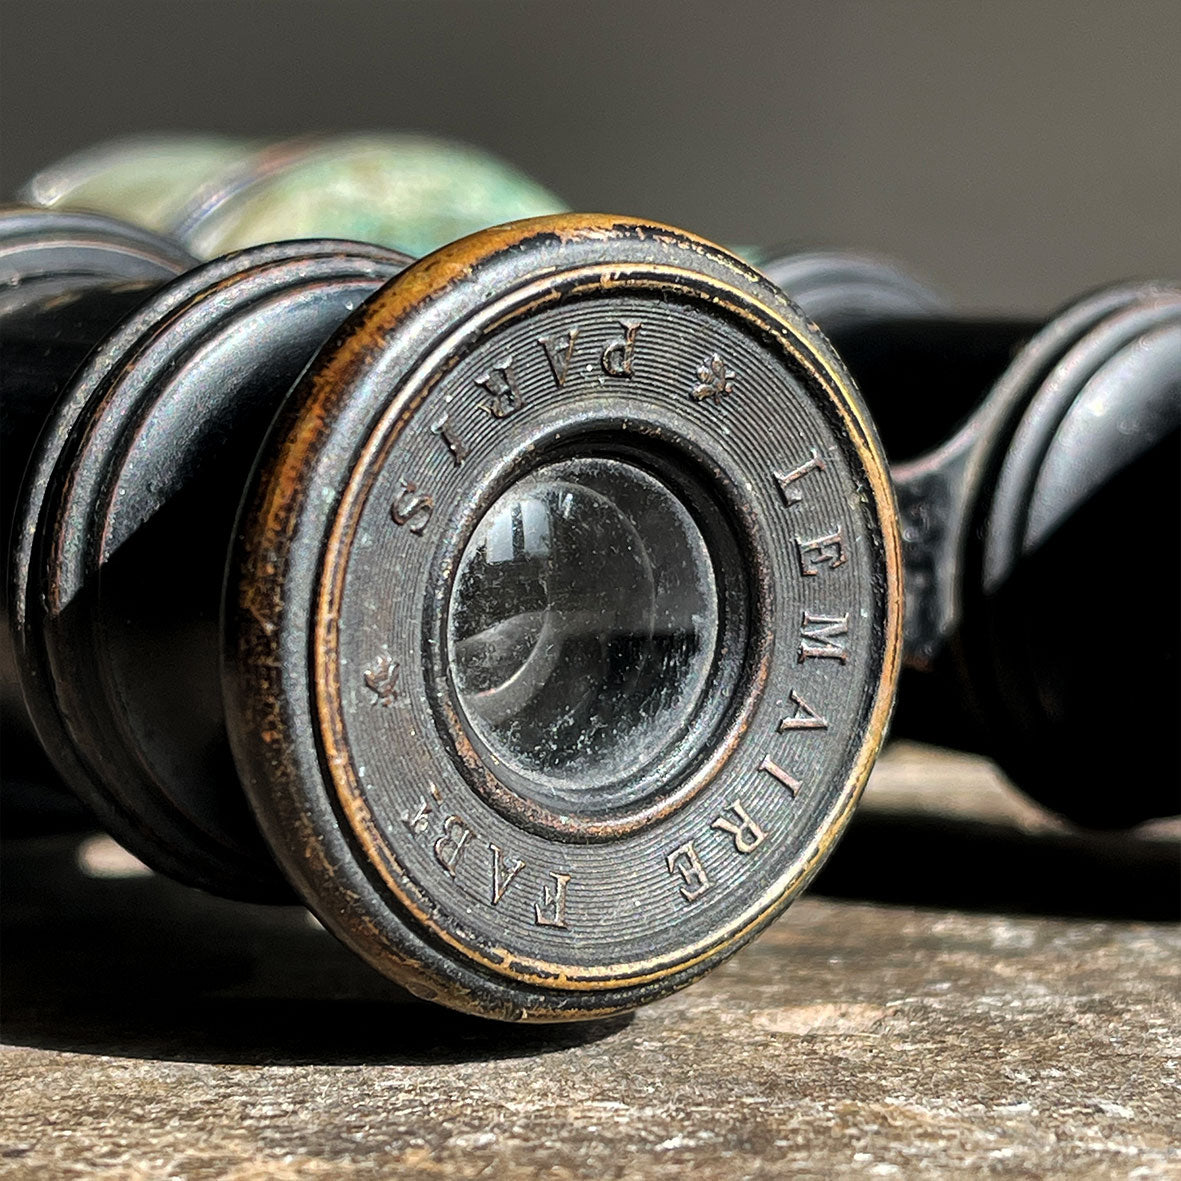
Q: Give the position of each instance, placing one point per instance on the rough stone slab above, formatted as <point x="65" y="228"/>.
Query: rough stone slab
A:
<point x="153" y="1032"/>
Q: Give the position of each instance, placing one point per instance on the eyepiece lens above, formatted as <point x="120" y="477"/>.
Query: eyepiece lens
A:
<point x="582" y="627"/>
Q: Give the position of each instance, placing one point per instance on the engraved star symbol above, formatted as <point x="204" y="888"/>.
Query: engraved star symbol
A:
<point x="715" y="380"/>
<point x="382" y="679"/>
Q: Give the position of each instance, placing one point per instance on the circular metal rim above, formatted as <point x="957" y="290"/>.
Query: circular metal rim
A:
<point x="982" y="441"/>
<point x="115" y="244"/>
<point x="350" y="793"/>
<point x="277" y="710"/>
<point x="48" y="545"/>
<point x="34" y="241"/>
<point x="1048" y="402"/>
<point x="1027" y="406"/>
<point x="987" y="433"/>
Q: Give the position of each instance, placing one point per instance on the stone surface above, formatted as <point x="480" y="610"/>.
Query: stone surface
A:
<point x="916" y="1023"/>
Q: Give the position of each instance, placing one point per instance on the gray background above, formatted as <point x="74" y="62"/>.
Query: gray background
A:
<point x="1014" y="152"/>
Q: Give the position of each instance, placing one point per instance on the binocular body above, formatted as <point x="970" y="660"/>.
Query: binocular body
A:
<point x="1020" y="451"/>
<point x="514" y="619"/>
<point x="535" y="609"/>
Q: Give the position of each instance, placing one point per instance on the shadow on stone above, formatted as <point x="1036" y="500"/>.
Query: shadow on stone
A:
<point x="924" y="859"/>
<point x="141" y="967"/>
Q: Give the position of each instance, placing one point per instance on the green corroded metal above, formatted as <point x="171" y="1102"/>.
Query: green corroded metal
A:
<point x="146" y="180"/>
<point x="409" y="192"/>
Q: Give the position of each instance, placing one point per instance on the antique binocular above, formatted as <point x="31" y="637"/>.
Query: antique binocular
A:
<point x="535" y="609"/>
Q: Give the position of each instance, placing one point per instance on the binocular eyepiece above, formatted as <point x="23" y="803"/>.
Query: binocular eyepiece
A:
<point x="535" y="609"/>
<point x="555" y="635"/>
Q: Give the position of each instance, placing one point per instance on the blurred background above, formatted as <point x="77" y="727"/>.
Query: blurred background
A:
<point x="1014" y="153"/>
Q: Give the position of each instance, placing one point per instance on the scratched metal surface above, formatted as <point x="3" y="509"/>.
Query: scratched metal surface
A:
<point x="979" y="990"/>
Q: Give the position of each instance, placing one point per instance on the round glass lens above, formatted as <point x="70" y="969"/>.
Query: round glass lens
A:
<point x="582" y="626"/>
